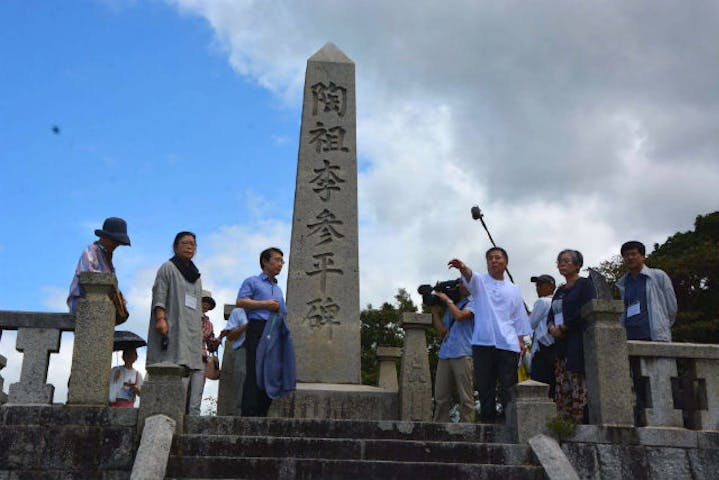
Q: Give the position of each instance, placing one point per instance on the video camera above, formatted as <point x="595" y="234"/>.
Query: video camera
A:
<point x="448" y="287"/>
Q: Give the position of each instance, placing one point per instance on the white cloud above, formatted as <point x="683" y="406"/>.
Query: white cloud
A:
<point x="570" y="124"/>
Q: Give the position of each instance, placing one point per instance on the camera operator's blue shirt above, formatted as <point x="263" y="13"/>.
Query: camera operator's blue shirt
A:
<point x="459" y="339"/>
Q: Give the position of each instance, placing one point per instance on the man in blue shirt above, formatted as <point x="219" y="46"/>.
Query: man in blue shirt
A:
<point x="455" y="367"/>
<point x="260" y="297"/>
<point x="235" y="333"/>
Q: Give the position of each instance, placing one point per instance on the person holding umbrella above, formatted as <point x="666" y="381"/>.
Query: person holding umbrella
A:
<point x="125" y="381"/>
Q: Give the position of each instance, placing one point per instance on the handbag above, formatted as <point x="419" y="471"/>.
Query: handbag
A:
<point x="212" y="367"/>
<point x="121" y="314"/>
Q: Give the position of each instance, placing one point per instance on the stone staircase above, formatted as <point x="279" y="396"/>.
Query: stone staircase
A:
<point x="254" y="448"/>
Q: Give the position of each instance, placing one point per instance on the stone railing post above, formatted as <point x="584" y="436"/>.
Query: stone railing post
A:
<point x="3" y="395"/>
<point x="92" y="352"/>
<point x="163" y="393"/>
<point x="36" y="345"/>
<point x="388" y="357"/>
<point x="606" y="364"/>
<point x="227" y="389"/>
<point x="415" y="394"/>
<point x="660" y="372"/>
<point x="530" y="410"/>
<point x="708" y="369"/>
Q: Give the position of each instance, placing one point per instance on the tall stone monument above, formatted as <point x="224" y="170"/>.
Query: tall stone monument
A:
<point x="323" y="280"/>
<point x="323" y="285"/>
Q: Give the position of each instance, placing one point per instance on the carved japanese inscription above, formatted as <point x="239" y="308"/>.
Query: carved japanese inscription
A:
<point x="323" y="280"/>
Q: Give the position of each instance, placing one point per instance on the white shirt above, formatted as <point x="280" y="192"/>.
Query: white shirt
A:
<point x="118" y="390"/>
<point x="499" y="316"/>
<point x="538" y="321"/>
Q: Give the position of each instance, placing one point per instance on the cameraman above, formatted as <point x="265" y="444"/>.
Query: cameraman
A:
<point x="455" y="367"/>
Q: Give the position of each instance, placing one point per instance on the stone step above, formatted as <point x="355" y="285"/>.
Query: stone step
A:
<point x="297" y="468"/>
<point x="351" y="449"/>
<point x="383" y="429"/>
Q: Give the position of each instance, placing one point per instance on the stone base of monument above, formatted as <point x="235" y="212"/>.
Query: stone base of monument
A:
<point x="339" y="402"/>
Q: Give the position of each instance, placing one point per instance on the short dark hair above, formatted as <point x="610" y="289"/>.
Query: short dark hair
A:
<point x="497" y="249"/>
<point x="577" y="257"/>
<point x="176" y="242"/>
<point x="267" y="254"/>
<point x="631" y="245"/>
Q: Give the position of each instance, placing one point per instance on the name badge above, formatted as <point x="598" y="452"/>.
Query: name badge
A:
<point x="190" y="301"/>
<point x="558" y="319"/>
<point x="633" y="309"/>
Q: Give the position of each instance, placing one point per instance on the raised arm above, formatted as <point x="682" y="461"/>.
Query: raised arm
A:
<point x="463" y="269"/>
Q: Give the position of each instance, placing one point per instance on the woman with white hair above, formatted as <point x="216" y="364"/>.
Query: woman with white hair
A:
<point x="567" y="327"/>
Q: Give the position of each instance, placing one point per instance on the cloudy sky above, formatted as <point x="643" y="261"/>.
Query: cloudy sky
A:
<point x="572" y="125"/>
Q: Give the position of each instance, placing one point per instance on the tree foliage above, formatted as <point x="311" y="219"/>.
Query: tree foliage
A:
<point x="691" y="259"/>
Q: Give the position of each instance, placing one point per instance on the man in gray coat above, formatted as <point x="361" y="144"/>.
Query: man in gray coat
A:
<point x="650" y="305"/>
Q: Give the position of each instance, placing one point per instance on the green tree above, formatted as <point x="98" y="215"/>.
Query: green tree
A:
<point x="381" y="326"/>
<point x="691" y="259"/>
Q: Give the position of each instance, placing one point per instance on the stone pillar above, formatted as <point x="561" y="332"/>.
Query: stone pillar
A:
<point x="415" y="394"/>
<point x="36" y="345"/>
<point x="388" y="357"/>
<point x="163" y="393"/>
<point x="227" y="390"/>
<point x="528" y="413"/>
<point x="154" y="451"/>
<point x="323" y="308"/>
<point x="662" y="412"/>
<point x="3" y="396"/>
<point x="708" y="369"/>
<point x="92" y="351"/>
<point x="606" y="364"/>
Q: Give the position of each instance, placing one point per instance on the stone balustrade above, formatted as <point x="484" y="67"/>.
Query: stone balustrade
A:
<point x="38" y="335"/>
<point x="667" y="399"/>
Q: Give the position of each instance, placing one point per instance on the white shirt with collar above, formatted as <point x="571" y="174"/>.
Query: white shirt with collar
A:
<point x="499" y="317"/>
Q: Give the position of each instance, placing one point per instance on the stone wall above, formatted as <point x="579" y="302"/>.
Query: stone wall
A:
<point x="609" y="453"/>
<point x="51" y="442"/>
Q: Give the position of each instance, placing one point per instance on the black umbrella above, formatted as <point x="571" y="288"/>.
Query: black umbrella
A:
<point x="124" y="340"/>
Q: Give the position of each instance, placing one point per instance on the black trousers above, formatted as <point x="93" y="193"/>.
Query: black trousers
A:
<point x="255" y="402"/>
<point x="491" y="365"/>
<point x="543" y="367"/>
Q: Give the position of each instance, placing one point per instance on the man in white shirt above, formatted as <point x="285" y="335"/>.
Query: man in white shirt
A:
<point x="500" y="322"/>
<point x="542" y="352"/>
